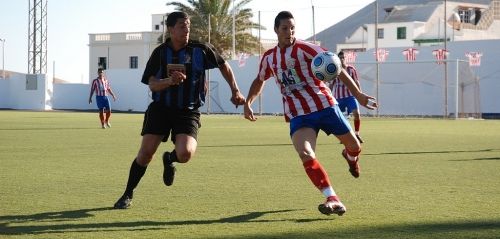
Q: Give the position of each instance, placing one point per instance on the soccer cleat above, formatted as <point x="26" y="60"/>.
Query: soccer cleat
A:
<point x="332" y="207"/>
<point x="168" y="169"/>
<point x="353" y="165"/>
<point x="359" y="138"/>
<point x="123" y="202"/>
<point x="103" y="126"/>
<point x="108" y="125"/>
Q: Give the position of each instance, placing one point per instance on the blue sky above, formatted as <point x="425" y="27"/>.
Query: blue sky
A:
<point x="70" y="22"/>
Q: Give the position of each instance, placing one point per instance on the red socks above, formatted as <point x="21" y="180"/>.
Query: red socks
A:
<point x="317" y="174"/>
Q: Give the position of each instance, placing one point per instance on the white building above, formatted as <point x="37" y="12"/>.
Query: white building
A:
<point x="412" y="23"/>
<point x="125" y="50"/>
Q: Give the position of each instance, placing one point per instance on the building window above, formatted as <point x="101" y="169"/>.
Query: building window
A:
<point x="401" y="33"/>
<point x="380" y="33"/>
<point x="102" y="63"/>
<point x="134" y="61"/>
<point x="465" y="15"/>
<point x="157" y="27"/>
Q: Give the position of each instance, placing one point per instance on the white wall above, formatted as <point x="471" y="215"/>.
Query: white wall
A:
<point x="397" y="95"/>
<point x="131" y="93"/>
<point x="4" y="94"/>
<point x="271" y="99"/>
<point x="71" y="96"/>
<point x="16" y="95"/>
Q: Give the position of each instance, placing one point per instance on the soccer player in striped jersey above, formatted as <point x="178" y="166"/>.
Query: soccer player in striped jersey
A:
<point x="175" y="73"/>
<point x="102" y="88"/>
<point x="347" y="102"/>
<point x="309" y="106"/>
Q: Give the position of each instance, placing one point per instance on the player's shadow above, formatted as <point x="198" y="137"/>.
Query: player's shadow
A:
<point x="64" y="222"/>
<point x="243" y="145"/>
<point x="53" y="216"/>
<point x="48" y="128"/>
<point x="435" y="152"/>
<point x="476" y="159"/>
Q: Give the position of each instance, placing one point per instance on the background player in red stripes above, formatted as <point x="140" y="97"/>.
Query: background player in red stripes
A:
<point x="102" y="88"/>
<point x="347" y="102"/>
<point x="309" y="106"/>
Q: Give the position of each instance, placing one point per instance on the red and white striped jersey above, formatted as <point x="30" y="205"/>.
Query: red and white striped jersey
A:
<point x="301" y="92"/>
<point x="339" y="89"/>
<point x="101" y="86"/>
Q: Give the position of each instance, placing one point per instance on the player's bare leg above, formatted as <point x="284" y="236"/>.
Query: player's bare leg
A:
<point x="185" y="148"/>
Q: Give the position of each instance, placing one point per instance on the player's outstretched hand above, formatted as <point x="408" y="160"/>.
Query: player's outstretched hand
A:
<point x="237" y="98"/>
<point x="367" y="101"/>
<point x="248" y="112"/>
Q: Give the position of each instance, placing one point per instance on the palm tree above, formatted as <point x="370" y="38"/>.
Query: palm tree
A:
<point x="221" y="22"/>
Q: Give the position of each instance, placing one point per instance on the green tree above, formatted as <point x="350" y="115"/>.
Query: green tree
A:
<point x="221" y="22"/>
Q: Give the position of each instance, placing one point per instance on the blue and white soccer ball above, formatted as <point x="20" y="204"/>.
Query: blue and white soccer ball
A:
<point x="326" y="66"/>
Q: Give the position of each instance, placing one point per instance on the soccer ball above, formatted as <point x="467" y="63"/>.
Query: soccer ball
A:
<point x="326" y="66"/>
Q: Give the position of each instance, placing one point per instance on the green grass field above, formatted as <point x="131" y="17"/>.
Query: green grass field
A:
<point x="421" y="178"/>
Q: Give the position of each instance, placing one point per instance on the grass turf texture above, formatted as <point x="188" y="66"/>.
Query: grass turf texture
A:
<point x="61" y="173"/>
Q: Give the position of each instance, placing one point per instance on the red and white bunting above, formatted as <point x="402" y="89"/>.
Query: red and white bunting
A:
<point x="350" y="56"/>
<point x="381" y="54"/>
<point x="441" y="55"/>
<point x="474" y="58"/>
<point x="410" y="54"/>
<point x="242" y="60"/>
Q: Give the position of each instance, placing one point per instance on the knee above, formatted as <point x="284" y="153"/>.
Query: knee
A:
<point x="306" y="156"/>
<point x="350" y="142"/>
<point x="184" y="156"/>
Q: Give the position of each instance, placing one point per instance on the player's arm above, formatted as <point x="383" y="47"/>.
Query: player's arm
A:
<point x="254" y="91"/>
<point x="156" y="84"/>
<point x="236" y="97"/>
<point x="91" y="92"/>
<point x="112" y="93"/>
<point x="355" y="78"/>
<point x="362" y="98"/>
<point x="153" y="66"/>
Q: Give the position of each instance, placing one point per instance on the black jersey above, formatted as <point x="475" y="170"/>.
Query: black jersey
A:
<point x="196" y="58"/>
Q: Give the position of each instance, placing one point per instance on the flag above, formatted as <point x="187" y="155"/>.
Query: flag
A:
<point x="381" y="54"/>
<point x="474" y="58"/>
<point x="410" y="54"/>
<point x="441" y="55"/>
<point x="350" y="56"/>
<point x="243" y="59"/>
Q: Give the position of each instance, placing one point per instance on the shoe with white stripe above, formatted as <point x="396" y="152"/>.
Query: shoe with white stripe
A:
<point x="332" y="206"/>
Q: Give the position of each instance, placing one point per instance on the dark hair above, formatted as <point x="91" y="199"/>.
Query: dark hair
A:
<point x="282" y="15"/>
<point x="341" y="54"/>
<point x="100" y="69"/>
<point x="172" y="18"/>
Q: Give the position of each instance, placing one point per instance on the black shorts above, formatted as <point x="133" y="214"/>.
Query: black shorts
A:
<point x="161" y="120"/>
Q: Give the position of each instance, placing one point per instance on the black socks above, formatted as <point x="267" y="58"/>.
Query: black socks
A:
<point x="135" y="175"/>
